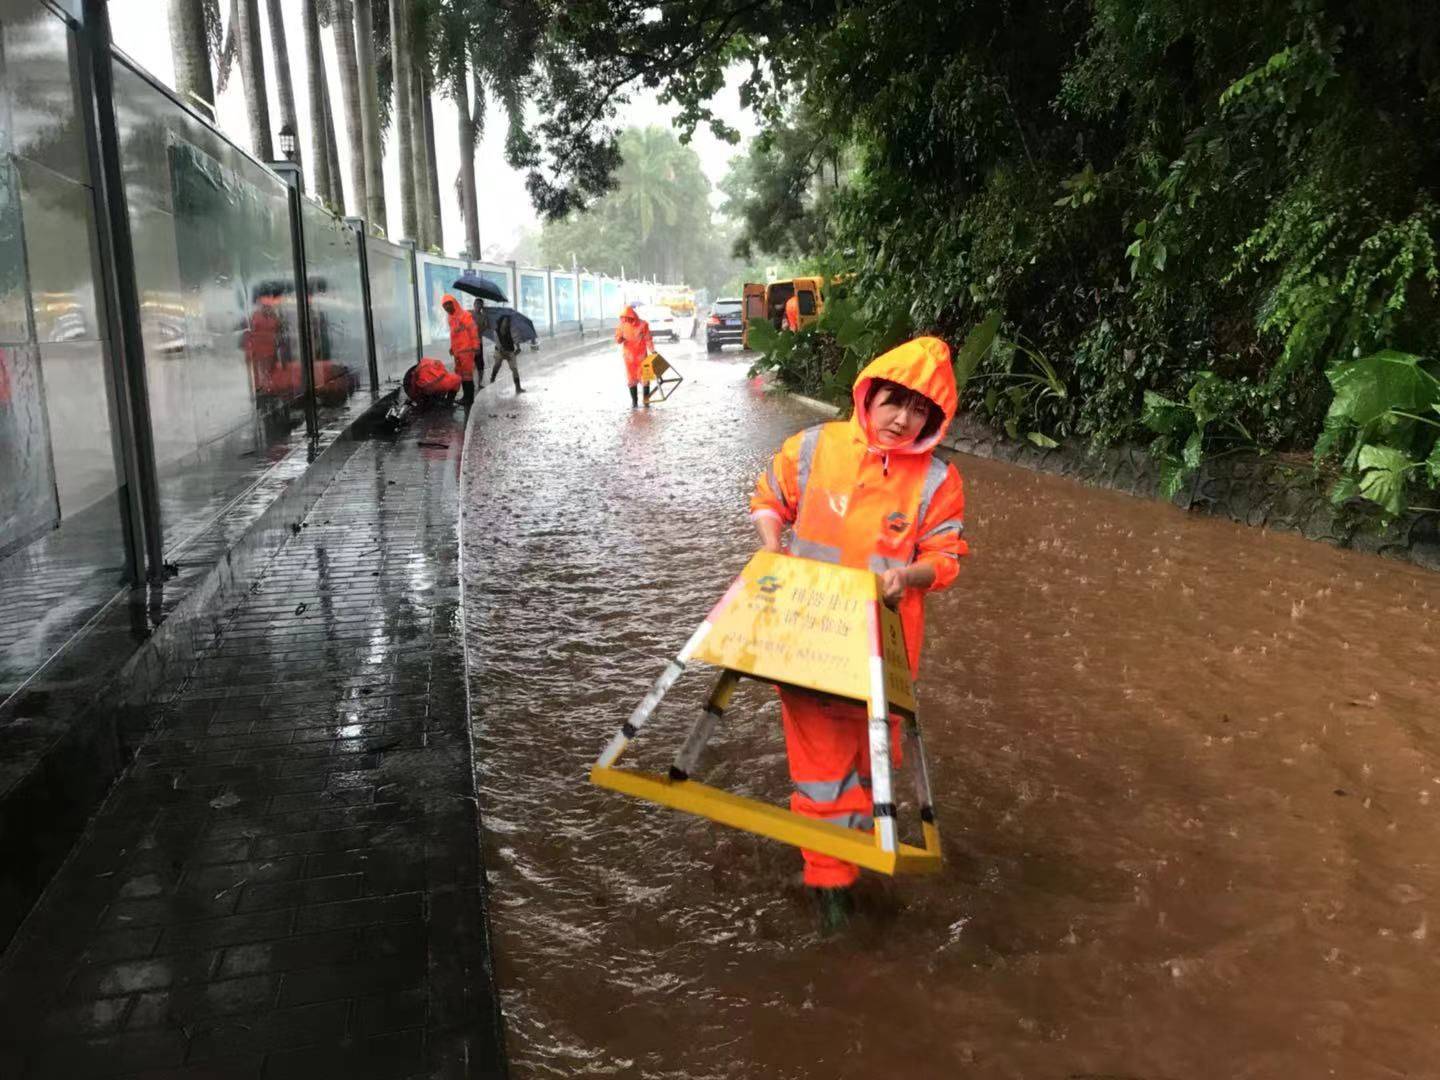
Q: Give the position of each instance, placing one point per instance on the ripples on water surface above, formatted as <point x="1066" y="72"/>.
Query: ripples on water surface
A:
<point x="1186" y="773"/>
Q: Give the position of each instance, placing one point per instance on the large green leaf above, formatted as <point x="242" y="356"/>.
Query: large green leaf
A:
<point x="1194" y="451"/>
<point x="766" y="339"/>
<point x="1172" y="476"/>
<point x="977" y="344"/>
<point x="1382" y="476"/>
<point x="1367" y="389"/>
<point x="1039" y="438"/>
<point x="1163" y="416"/>
<point x="1432" y="466"/>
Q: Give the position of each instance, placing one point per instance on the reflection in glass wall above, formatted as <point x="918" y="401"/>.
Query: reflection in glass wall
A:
<point x="337" y="305"/>
<point x="392" y="304"/>
<point x="215" y="271"/>
<point x="613" y="300"/>
<point x="533" y="301"/>
<point x="590" y="298"/>
<point x="566" y="309"/>
<point x="62" y="548"/>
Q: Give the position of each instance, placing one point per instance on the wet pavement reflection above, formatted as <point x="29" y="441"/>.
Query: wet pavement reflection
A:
<point x="1184" y="769"/>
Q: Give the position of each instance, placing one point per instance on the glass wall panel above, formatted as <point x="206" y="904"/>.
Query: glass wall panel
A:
<point x="62" y="548"/>
<point x="566" y="303"/>
<point x="215" y="271"/>
<point x="533" y="301"/>
<point x="392" y="303"/>
<point x="613" y="300"/>
<point x="590" y="298"/>
<point x="337" y="305"/>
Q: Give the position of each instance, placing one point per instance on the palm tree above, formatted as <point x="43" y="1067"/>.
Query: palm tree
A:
<point x="645" y="185"/>
<point x="283" y="78"/>
<point x="421" y="149"/>
<point x="342" y="29"/>
<point x="401" y="80"/>
<point x="190" y="47"/>
<point x="432" y="174"/>
<point x="252" y="74"/>
<point x="332" y="148"/>
<point x="374" y="207"/>
<point x="466" y="132"/>
<point x="322" y="185"/>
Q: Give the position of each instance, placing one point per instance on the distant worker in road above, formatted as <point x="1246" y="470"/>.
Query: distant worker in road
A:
<point x="464" y="346"/>
<point x="867" y="493"/>
<point x="633" y="334"/>
<point x="792" y="313"/>
<point x="505" y="350"/>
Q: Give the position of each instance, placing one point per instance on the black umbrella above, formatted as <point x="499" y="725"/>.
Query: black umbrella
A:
<point x="521" y="328"/>
<point x="484" y="288"/>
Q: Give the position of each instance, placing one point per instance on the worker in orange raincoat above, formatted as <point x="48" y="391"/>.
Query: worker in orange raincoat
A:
<point x="868" y="493"/>
<point x="792" y="313"/>
<point x="464" y="345"/>
<point x="429" y="380"/>
<point x="633" y="335"/>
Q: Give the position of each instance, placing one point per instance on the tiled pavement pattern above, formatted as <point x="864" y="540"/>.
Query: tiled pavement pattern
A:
<point x="287" y="881"/>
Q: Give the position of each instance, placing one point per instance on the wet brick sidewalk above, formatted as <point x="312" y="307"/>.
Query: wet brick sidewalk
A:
<point x="287" y="881"/>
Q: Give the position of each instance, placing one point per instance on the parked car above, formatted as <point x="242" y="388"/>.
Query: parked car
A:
<point x="661" y="320"/>
<point x="724" y="327"/>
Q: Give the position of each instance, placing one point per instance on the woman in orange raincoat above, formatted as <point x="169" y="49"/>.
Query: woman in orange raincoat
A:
<point x="464" y="345"/>
<point x="867" y="493"/>
<point x="633" y="335"/>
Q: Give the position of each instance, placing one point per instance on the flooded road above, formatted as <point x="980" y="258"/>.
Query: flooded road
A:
<point x="1187" y="775"/>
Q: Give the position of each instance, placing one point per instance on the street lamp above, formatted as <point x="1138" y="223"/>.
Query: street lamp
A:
<point x="289" y="144"/>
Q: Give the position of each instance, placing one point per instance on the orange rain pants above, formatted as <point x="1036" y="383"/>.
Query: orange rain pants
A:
<point x="828" y="743"/>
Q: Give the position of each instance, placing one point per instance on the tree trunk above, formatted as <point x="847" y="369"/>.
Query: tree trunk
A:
<point x="432" y="172"/>
<point x="369" y="117"/>
<point x="252" y="74"/>
<point x="466" y="133"/>
<point x="320" y="185"/>
<point x="400" y="68"/>
<point x="285" y="84"/>
<point x="190" y="47"/>
<point x="421" y="154"/>
<point x="342" y="28"/>
<point x="332" y="149"/>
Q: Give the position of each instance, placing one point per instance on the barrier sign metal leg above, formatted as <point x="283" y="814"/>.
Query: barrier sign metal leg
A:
<point x="689" y="756"/>
<point x="813" y="626"/>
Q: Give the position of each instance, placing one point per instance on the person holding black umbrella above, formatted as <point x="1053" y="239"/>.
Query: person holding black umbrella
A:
<point x="505" y="350"/>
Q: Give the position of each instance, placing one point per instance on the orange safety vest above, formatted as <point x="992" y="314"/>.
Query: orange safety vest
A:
<point x="851" y="503"/>
<point x="792" y="313"/>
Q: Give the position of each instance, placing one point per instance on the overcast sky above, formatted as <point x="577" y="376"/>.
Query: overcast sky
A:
<point x="141" y="29"/>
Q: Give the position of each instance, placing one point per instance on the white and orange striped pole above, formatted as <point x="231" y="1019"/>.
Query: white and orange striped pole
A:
<point x="673" y="670"/>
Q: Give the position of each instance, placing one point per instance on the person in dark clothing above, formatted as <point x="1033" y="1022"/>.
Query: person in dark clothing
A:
<point x="505" y="351"/>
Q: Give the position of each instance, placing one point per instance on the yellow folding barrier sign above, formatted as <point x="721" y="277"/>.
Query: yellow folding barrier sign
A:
<point x="656" y="369"/>
<point x="818" y="627"/>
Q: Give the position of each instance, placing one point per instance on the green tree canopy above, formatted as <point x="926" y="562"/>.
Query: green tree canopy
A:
<point x="656" y="222"/>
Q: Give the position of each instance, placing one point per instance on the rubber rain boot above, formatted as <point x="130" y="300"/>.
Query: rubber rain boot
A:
<point x="647" y="395"/>
<point x="634" y="397"/>
<point x="835" y="907"/>
<point x="518" y="388"/>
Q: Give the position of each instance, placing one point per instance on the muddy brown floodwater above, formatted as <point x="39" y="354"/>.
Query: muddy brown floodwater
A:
<point x="1187" y="775"/>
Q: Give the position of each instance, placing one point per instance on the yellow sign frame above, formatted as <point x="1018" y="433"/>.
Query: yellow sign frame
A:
<point x="797" y="621"/>
<point x="667" y="379"/>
